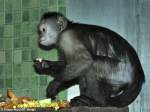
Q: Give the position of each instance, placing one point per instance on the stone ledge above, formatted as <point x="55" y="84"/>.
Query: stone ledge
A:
<point x="73" y="109"/>
<point x="95" y="109"/>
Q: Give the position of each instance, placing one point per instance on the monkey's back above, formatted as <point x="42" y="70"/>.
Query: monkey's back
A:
<point x="101" y="41"/>
<point x="104" y="43"/>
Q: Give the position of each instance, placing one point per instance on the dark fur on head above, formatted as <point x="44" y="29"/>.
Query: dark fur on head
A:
<point x="48" y="15"/>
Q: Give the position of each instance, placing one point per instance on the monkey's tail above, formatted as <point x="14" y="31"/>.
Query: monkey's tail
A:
<point x="130" y="93"/>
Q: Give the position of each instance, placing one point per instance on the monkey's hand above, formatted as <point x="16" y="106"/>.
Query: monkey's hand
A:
<point x="41" y="66"/>
<point x="53" y="89"/>
<point x="48" y="67"/>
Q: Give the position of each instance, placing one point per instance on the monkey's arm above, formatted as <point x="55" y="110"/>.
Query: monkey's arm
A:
<point x="48" y="67"/>
<point x="76" y="67"/>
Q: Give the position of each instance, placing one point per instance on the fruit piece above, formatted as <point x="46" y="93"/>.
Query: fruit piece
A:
<point x="14" y="107"/>
<point x="39" y="59"/>
<point x="64" y="104"/>
<point x="11" y="95"/>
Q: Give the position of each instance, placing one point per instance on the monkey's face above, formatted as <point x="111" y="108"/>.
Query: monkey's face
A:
<point x="48" y="32"/>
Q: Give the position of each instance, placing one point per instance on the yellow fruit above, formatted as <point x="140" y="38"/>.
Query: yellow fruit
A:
<point x="14" y="107"/>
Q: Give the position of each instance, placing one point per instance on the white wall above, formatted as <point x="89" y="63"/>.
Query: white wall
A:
<point x="129" y="18"/>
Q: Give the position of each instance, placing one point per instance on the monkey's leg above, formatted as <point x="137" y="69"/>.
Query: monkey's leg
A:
<point x="55" y="87"/>
<point x="83" y="101"/>
<point x="91" y="94"/>
<point x="67" y="84"/>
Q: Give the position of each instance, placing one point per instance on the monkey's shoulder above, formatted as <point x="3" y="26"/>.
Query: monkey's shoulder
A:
<point x="69" y="43"/>
<point x="98" y="33"/>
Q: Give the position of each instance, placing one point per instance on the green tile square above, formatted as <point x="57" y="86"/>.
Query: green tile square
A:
<point x="25" y="4"/>
<point x="33" y="73"/>
<point x="26" y="69"/>
<point x="17" y="17"/>
<point x="17" y="83"/>
<point x="4" y="91"/>
<point x="2" y="18"/>
<point x="17" y="30"/>
<point x="62" y="10"/>
<point x="16" y="5"/>
<point x="34" y="42"/>
<point x="1" y="30"/>
<point x="8" y="43"/>
<point x="42" y="93"/>
<point x="8" y="18"/>
<point x="8" y="30"/>
<point x="1" y="44"/>
<point x="2" y="57"/>
<point x="42" y="54"/>
<point x="26" y="55"/>
<point x="44" y="3"/>
<point x="2" y="83"/>
<point x="17" y="43"/>
<point x="8" y="37"/>
<point x="27" y="92"/>
<point x="53" y="55"/>
<point x="9" y="83"/>
<point x="53" y="3"/>
<point x="17" y="70"/>
<point x="33" y="82"/>
<point x="21" y="84"/>
<point x="17" y="56"/>
<point x="25" y="42"/>
<point x="18" y="91"/>
<point x="34" y="54"/>
<point x="8" y="70"/>
<point x="62" y="2"/>
<point x="62" y="95"/>
<point x="25" y="28"/>
<point x="8" y="54"/>
<point x="55" y="9"/>
<point x="43" y="10"/>
<point x="34" y="15"/>
<point x="43" y="80"/>
<point x="34" y="93"/>
<point x="33" y="28"/>
<point x="34" y="3"/>
<point x="25" y="16"/>
<point x="2" y="71"/>
<point x="25" y="84"/>
<point x="1" y="5"/>
<point x="8" y="5"/>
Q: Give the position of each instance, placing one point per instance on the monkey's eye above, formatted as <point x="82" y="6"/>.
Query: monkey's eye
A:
<point x="43" y="28"/>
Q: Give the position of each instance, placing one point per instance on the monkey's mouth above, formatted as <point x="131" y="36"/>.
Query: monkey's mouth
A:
<point x="42" y="39"/>
<point x="45" y="47"/>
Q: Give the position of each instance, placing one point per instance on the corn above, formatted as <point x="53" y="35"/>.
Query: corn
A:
<point x="41" y="103"/>
<point x="14" y="107"/>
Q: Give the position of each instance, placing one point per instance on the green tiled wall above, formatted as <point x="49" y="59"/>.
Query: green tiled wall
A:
<point x="18" y="46"/>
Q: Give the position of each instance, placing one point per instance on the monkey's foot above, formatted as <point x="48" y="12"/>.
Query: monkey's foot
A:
<point x="83" y="101"/>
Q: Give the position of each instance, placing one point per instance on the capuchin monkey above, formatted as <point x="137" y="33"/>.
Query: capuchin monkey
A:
<point x="103" y="64"/>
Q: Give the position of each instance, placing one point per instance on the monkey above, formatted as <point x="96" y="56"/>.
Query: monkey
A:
<point x="104" y="65"/>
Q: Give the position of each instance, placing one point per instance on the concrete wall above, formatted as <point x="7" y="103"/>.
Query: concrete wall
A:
<point x="129" y="18"/>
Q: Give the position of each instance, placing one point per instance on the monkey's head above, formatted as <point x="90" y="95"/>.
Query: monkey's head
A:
<point x="50" y="26"/>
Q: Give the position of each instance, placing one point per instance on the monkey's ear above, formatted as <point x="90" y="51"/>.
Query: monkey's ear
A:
<point x="62" y="22"/>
